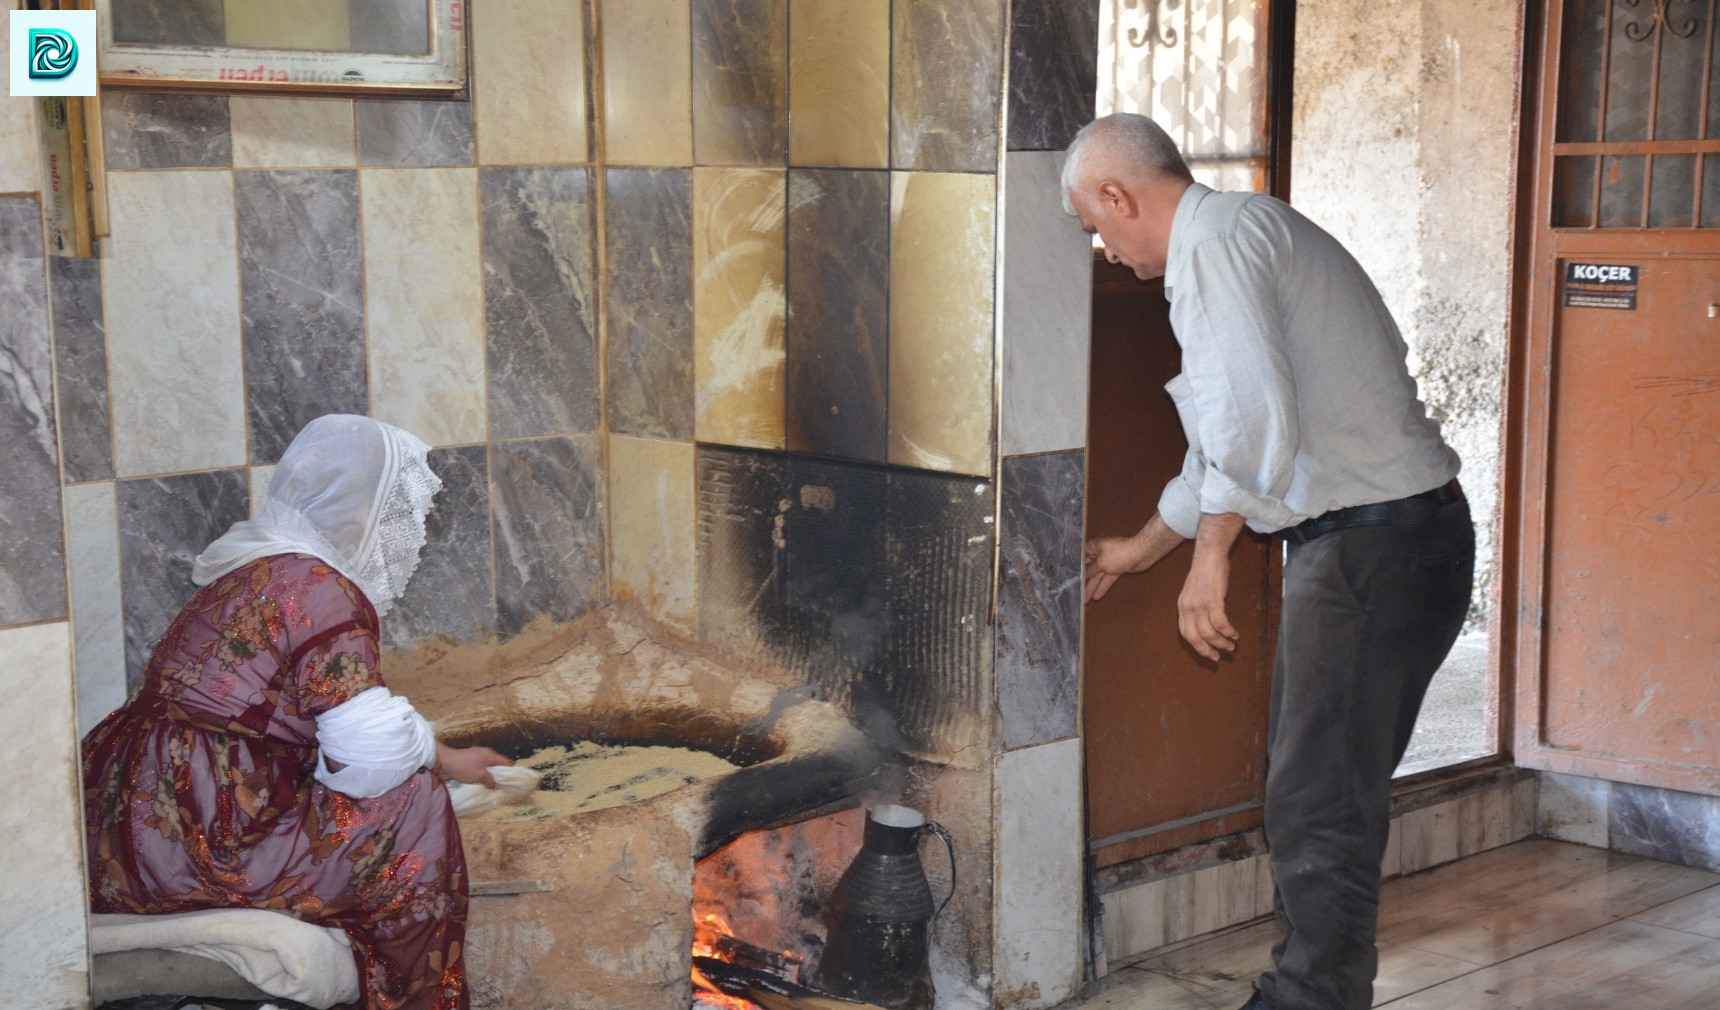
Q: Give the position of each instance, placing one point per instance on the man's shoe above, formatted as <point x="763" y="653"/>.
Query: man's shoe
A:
<point x="1255" y="1002"/>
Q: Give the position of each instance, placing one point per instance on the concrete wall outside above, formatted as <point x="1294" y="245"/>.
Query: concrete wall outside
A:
<point x="1402" y="150"/>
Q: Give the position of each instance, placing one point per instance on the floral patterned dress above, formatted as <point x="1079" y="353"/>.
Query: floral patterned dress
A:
<point x="199" y="792"/>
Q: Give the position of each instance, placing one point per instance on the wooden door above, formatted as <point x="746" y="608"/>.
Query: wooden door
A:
<point x="1176" y="745"/>
<point x="1616" y="419"/>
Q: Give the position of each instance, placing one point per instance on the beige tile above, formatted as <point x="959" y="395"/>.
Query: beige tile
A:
<point x="1405" y="970"/>
<point x="942" y="248"/>
<point x="20" y="155"/>
<point x="1430" y="836"/>
<point x="170" y="283"/>
<point x="92" y="563"/>
<point x="1133" y="989"/>
<point x="1632" y="962"/>
<point x="1230" y="961"/>
<point x="292" y="132"/>
<point x="1134" y="920"/>
<point x="1038" y="877"/>
<point x="652" y="528"/>
<point x="1483" y="820"/>
<point x="647" y="82"/>
<point x="260" y="477"/>
<point x="1265" y="885"/>
<point x="1524" y="800"/>
<point x="1391" y="864"/>
<point x="739" y="269"/>
<point x="424" y="306"/>
<point x="1237" y="900"/>
<point x="839" y="84"/>
<point x="1205" y="906"/>
<point x="42" y="892"/>
<point x="288" y="24"/>
<point x="1694" y="913"/>
<point x="528" y="83"/>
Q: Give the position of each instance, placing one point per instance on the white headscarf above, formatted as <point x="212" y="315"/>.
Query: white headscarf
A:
<point x="349" y="490"/>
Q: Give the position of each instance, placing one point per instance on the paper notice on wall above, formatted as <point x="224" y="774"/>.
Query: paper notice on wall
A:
<point x="1600" y="286"/>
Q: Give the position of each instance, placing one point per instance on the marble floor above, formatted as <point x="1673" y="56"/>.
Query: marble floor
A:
<point x="1538" y="925"/>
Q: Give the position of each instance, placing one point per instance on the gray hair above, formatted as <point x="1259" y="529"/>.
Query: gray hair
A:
<point x="1141" y="145"/>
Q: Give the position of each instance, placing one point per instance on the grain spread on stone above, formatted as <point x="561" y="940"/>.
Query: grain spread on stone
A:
<point x="591" y="776"/>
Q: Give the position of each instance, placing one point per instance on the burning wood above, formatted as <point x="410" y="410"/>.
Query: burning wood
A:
<point x="755" y="988"/>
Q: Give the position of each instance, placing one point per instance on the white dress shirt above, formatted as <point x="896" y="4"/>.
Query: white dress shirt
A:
<point x="1294" y="393"/>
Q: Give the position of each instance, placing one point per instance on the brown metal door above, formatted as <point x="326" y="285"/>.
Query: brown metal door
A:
<point x="1617" y="406"/>
<point x="1176" y="746"/>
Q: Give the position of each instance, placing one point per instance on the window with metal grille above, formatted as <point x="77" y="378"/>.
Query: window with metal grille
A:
<point x="1198" y="68"/>
<point x="1637" y="141"/>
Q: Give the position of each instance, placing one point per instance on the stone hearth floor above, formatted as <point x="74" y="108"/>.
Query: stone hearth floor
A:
<point x="1538" y="925"/>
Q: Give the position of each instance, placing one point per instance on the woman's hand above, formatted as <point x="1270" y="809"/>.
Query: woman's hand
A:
<point x="468" y="764"/>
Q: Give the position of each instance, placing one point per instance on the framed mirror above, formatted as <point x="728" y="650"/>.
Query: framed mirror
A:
<point x="403" y="47"/>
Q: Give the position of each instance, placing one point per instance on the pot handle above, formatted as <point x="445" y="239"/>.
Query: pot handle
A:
<point x="950" y="845"/>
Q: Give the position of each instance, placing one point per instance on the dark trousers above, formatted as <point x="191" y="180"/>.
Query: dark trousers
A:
<point x="1369" y="615"/>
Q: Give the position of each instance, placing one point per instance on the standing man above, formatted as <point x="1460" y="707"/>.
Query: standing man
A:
<point x="1302" y="420"/>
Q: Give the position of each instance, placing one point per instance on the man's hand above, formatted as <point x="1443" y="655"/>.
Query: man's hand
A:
<point x="468" y="764"/>
<point x="1200" y="607"/>
<point x="1110" y="558"/>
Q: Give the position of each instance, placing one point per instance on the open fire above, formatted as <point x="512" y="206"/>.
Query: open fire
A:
<point x="715" y="941"/>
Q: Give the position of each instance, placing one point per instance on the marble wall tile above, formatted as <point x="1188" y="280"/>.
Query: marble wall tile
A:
<point x="43" y="896"/>
<point x="20" y="157"/>
<point x="740" y="577"/>
<point x="739" y="305"/>
<point x="1039" y="875"/>
<point x="301" y="285"/>
<point x="292" y="132"/>
<point x="1574" y="809"/>
<point x="652" y="529"/>
<point x="938" y="670"/>
<point x="303" y="24"/>
<point x="839" y="84"/>
<point x="142" y="129"/>
<point x="398" y="133"/>
<point x="1047" y="309"/>
<point x="81" y="368"/>
<point x="1430" y="837"/>
<point x="389" y="26"/>
<point x="1039" y="597"/>
<point x="649" y="284"/>
<point x="424" y="303"/>
<point x="1237" y="881"/>
<point x="647" y="80"/>
<point x="946" y="76"/>
<point x="1134" y="920"/>
<point x="260" y="478"/>
<point x="92" y="543"/>
<point x="942" y="247"/>
<point x="1483" y="820"/>
<point x="740" y="82"/>
<point x="186" y="22"/>
<point x="1524" y="800"/>
<point x="451" y="594"/>
<point x="1265" y="886"/>
<point x="32" y="554"/>
<point x="1053" y="71"/>
<point x="164" y="523"/>
<point x="539" y="301"/>
<point x="528" y="83"/>
<point x="1391" y="864"/>
<point x="171" y="267"/>
<point x="546" y="508"/>
<point x="1665" y="824"/>
<point x="838" y="312"/>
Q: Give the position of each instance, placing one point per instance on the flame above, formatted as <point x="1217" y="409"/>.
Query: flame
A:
<point x="710" y="995"/>
<point x="706" y="930"/>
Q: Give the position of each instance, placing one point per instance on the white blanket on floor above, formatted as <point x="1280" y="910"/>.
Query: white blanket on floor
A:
<point x="277" y="953"/>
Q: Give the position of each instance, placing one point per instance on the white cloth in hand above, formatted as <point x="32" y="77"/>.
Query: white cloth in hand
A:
<point x="513" y="785"/>
<point x="379" y="738"/>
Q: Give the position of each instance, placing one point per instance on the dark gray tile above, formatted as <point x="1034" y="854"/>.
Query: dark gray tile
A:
<point x="450" y="594"/>
<point x="1053" y="71"/>
<point x="945" y="77"/>
<point x="1039" y="596"/>
<point x="406" y="133"/>
<point x="80" y="368"/>
<point x="170" y="22"/>
<point x="32" y="539"/>
<point x="740" y="82"/>
<point x="401" y="27"/>
<point x="546" y="508"/>
<point x="538" y="301"/>
<point x="301" y="283"/>
<point x="739" y="549"/>
<point x="935" y="680"/>
<point x="1665" y="824"/>
<point x="649" y="284"/>
<point x="164" y="523"/>
<point x="838" y="312"/>
<point x="150" y="130"/>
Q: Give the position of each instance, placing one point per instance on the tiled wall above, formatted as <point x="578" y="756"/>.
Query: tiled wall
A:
<point x="1145" y="914"/>
<point x="1665" y="824"/>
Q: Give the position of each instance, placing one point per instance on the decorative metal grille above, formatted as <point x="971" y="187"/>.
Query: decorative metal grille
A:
<point x="1638" y="137"/>
<point x="1197" y="67"/>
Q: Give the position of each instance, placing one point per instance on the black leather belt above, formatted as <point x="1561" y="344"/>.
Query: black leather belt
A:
<point x="1417" y="508"/>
